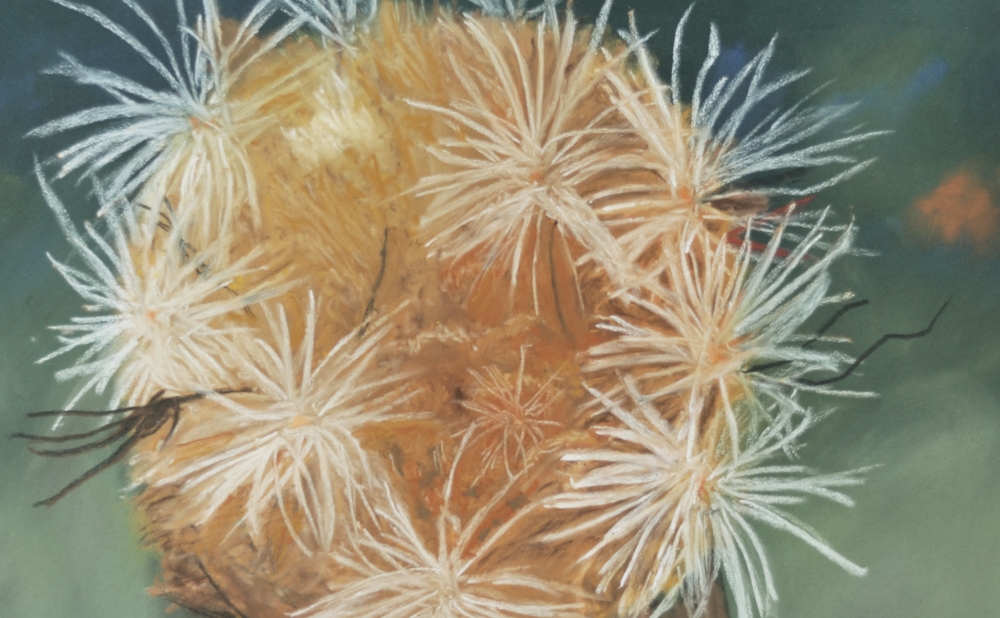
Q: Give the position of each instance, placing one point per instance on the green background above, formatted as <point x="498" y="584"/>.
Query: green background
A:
<point x="927" y="523"/>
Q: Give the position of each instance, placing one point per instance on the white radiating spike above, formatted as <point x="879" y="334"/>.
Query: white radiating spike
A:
<point x="668" y="521"/>
<point x="156" y="309"/>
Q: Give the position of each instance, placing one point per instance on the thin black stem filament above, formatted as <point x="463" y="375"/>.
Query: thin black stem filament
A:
<point x="138" y="423"/>
<point x="875" y="346"/>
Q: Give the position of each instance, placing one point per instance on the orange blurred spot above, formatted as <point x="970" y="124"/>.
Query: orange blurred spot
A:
<point x="961" y="210"/>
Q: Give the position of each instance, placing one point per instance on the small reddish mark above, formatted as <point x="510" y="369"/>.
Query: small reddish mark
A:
<point x="703" y="492"/>
<point x="411" y="471"/>
<point x="738" y="236"/>
<point x="718" y="354"/>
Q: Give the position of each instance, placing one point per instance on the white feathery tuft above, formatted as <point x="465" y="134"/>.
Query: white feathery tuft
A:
<point x="518" y="9"/>
<point x="510" y="417"/>
<point x="524" y="159"/>
<point x="727" y="322"/>
<point x="156" y="306"/>
<point x="723" y="145"/>
<point x="400" y="576"/>
<point x="336" y="21"/>
<point x="671" y="520"/>
<point x="191" y="133"/>
<point x="295" y="435"/>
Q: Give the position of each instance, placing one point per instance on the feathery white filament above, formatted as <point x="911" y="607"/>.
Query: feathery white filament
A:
<point x="191" y="133"/>
<point x="295" y="436"/>
<point x="718" y="148"/>
<point x="722" y="314"/>
<point x="522" y="161"/>
<point x="400" y="576"/>
<point x="510" y="417"/>
<point x="671" y="520"/>
<point x="157" y="312"/>
<point x="518" y="9"/>
<point x="334" y="20"/>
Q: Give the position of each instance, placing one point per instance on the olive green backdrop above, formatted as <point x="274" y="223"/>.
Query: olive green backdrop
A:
<point x="927" y="523"/>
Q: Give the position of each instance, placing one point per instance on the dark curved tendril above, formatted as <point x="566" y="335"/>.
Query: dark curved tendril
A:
<point x="138" y="422"/>
<point x="215" y="586"/>
<point x="366" y="318"/>
<point x="871" y="349"/>
<point x="819" y="333"/>
<point x="165" y="223"/>
<point x="833" y="320"/>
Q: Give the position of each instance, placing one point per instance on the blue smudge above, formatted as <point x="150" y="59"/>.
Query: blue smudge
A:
<point x="727" y="66"/>
<point x="891" y="103"/>
<point x="731" y="61"/>
<point x="925" y="79"/>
